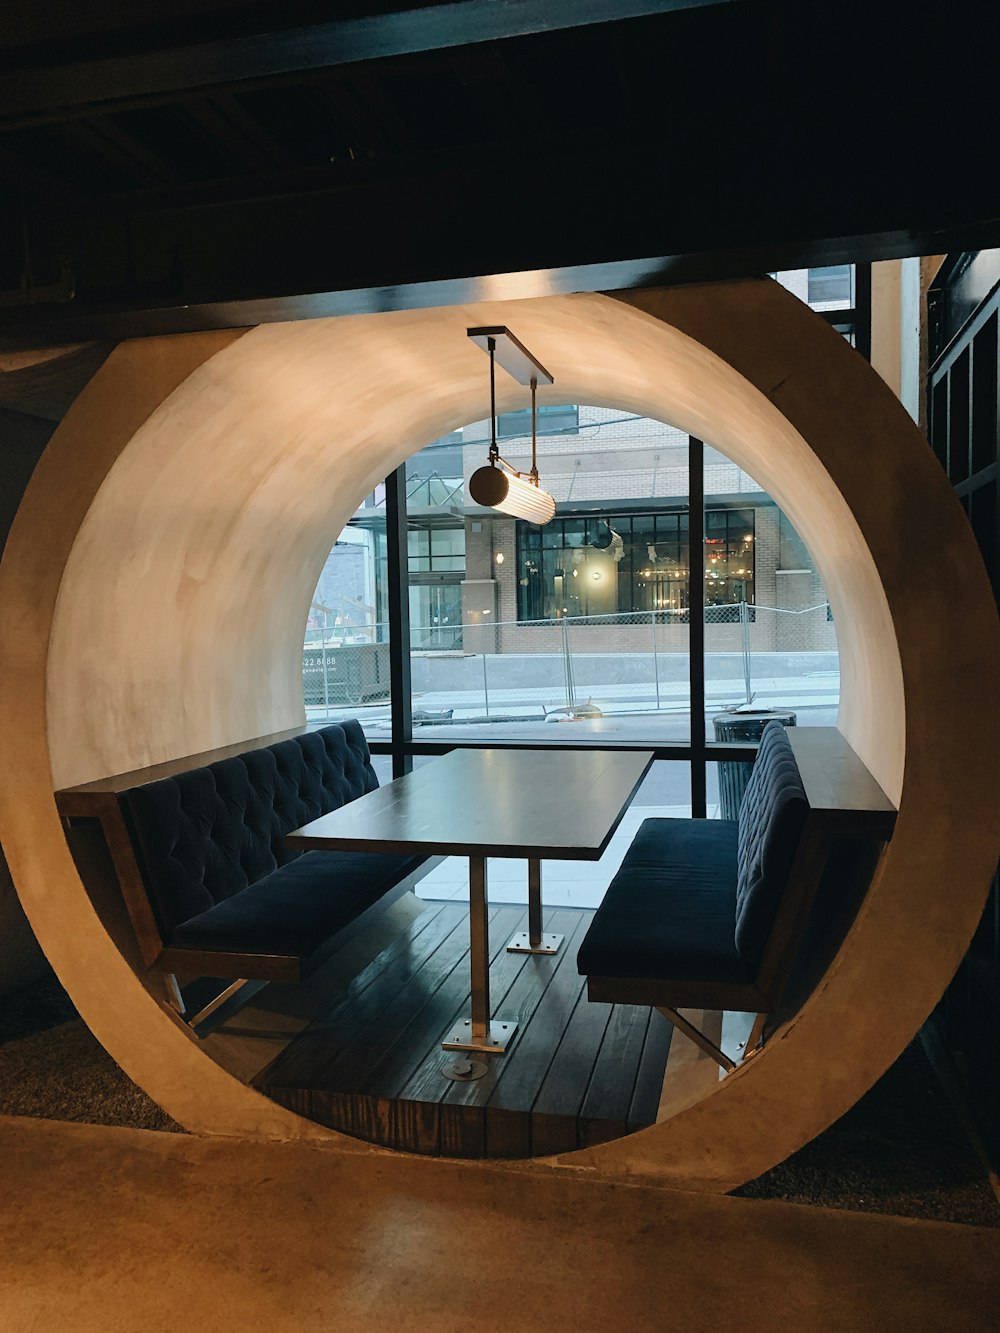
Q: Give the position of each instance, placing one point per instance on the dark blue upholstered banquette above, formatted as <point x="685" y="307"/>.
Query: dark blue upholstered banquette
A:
<point x="210" y="847"/>
<point x="695" y="900"/>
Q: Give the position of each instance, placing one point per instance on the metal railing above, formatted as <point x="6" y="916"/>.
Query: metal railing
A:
<point x="573" y="666"/>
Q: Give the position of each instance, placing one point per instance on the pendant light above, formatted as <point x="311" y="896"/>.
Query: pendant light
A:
<point x="499" y="485"/>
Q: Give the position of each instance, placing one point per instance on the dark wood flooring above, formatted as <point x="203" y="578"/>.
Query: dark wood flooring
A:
<point x="577" y="1073"/>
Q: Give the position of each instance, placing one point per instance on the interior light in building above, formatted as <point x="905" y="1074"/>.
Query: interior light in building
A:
<point x="499" y="485"/>
<point x="596" y="576"/>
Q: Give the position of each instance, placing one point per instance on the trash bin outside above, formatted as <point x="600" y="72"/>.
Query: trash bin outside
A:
<point x="741" y="727"/>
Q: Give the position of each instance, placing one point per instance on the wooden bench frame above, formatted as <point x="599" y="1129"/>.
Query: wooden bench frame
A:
<point x="845" y="802"/>
<point x="101" y="801"/>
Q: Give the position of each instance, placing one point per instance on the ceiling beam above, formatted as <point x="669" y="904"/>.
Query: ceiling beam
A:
<point x="40" y="93"/>
<point x="114" y="317"/>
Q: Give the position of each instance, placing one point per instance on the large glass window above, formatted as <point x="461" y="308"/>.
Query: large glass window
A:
<point x="729" y="559"/>
<point x="824" y="289"/>
<point x="345" y="656"/>
<point x="350" y="600"/>
<point x="831" y="288"/>
<point x="770" y="645"/>
<point x="435" y="549"/>
<point x="552" y="418"/>
<point x="625" y="563"/>
<point x="584" y="622"/>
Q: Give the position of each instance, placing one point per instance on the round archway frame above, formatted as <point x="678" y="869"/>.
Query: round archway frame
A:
<point x="180" y="516"/>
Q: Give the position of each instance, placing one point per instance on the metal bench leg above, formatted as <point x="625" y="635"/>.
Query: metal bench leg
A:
<point x="243" y="988"/>
<point x="174" y="997"/>
<point x="756" y="1032"/>
<point x="698" y="1037"/>
<point x="228" y="1000"/>
<point x="533" y="940"/>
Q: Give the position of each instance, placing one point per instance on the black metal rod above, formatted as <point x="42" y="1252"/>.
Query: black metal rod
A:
<point x="863" y="310"/>
<point x="494" y="448"/>
<point x="534" y="441"/>
<point x="400" y="692"/>
<point x="696" y="622"/>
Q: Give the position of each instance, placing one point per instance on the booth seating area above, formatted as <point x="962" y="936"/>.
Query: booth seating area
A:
<point x="710" y="914"/>
<point x="706" y="914"/>
<point x="210" y="886"/>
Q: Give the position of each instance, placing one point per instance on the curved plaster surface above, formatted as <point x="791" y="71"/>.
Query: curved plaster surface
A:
<point x="199" y="483"/>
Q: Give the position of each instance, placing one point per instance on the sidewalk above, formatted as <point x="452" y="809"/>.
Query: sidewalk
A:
<point x="530" y="704"/>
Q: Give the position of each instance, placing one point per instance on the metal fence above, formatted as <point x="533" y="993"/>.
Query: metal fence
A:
<point x="575" y="666"/>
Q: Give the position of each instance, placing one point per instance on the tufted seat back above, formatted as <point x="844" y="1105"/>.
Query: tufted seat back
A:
<point x="205" y="835"/>
<point x="772" y="817"/>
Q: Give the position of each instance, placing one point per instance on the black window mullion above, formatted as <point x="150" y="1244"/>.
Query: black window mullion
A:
<point x="863" y="310"/>
<point x="696" y="622"/>
<point x="400" y="693"/>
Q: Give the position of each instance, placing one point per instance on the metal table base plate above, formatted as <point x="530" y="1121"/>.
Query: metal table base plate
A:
<point x="496" y="1039"/>
<point x="521" y="943"/>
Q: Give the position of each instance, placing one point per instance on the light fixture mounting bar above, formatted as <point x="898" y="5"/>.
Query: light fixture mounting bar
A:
<point x="511" y="354"/>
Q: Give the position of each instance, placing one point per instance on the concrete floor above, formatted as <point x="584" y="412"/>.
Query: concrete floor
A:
<point x="127" y="1230"/>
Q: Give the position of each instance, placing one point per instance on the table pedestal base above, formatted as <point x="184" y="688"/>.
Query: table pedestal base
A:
<point x="533" y="940"/>
<point x="495" y="1039"/>
<point x="521" y="943"/>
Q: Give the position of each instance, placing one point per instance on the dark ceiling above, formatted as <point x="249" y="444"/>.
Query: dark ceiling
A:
<point x="218" y="163"/>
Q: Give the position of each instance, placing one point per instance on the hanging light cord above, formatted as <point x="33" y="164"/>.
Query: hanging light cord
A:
<point x="491" y="343"/>
<point x="495" y="456"/>
<point x="534" y="443"/>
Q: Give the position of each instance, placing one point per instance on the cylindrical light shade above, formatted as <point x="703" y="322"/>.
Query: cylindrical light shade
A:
<point x="496" y="489"/>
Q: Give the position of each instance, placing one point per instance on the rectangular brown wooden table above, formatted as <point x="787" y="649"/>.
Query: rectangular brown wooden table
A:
<point x="524" y="804"/>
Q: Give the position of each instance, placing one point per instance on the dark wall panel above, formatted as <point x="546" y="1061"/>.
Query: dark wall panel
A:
<point x="964" y="433"/>
<point x="22" y="439"/>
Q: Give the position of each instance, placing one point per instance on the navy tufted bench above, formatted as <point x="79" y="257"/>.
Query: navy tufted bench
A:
<point x="709" y="913"/>
<point x="224" y="896"/>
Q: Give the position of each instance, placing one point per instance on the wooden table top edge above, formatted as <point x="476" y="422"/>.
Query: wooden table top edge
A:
<point x="304" y="840"/>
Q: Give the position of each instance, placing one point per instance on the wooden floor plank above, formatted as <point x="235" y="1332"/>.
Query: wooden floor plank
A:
<point x="390" y="1073"/>
<point x="298" y="1100"/>
<point x="576" y="1072"/>
<point x="427" y="1086"/>
<point x="375" y="1032"/>
<point x="604" y="1114"/>
<point x="428" y="1082"/>
<point x="353" y="1092"/>
<point x="513" y="980"/>
<point x="420" y="937"/>
<point x="649" y="1080"/>
<point x="521" y="1002"/>
<point x="557" y="1105"/>
<point x="304" y="1060"/>
<point x="508" y="1129"/>
<point x="519" y="1079"/>
<point x="347" y="990"/>
<point x="463" y="1107"/>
